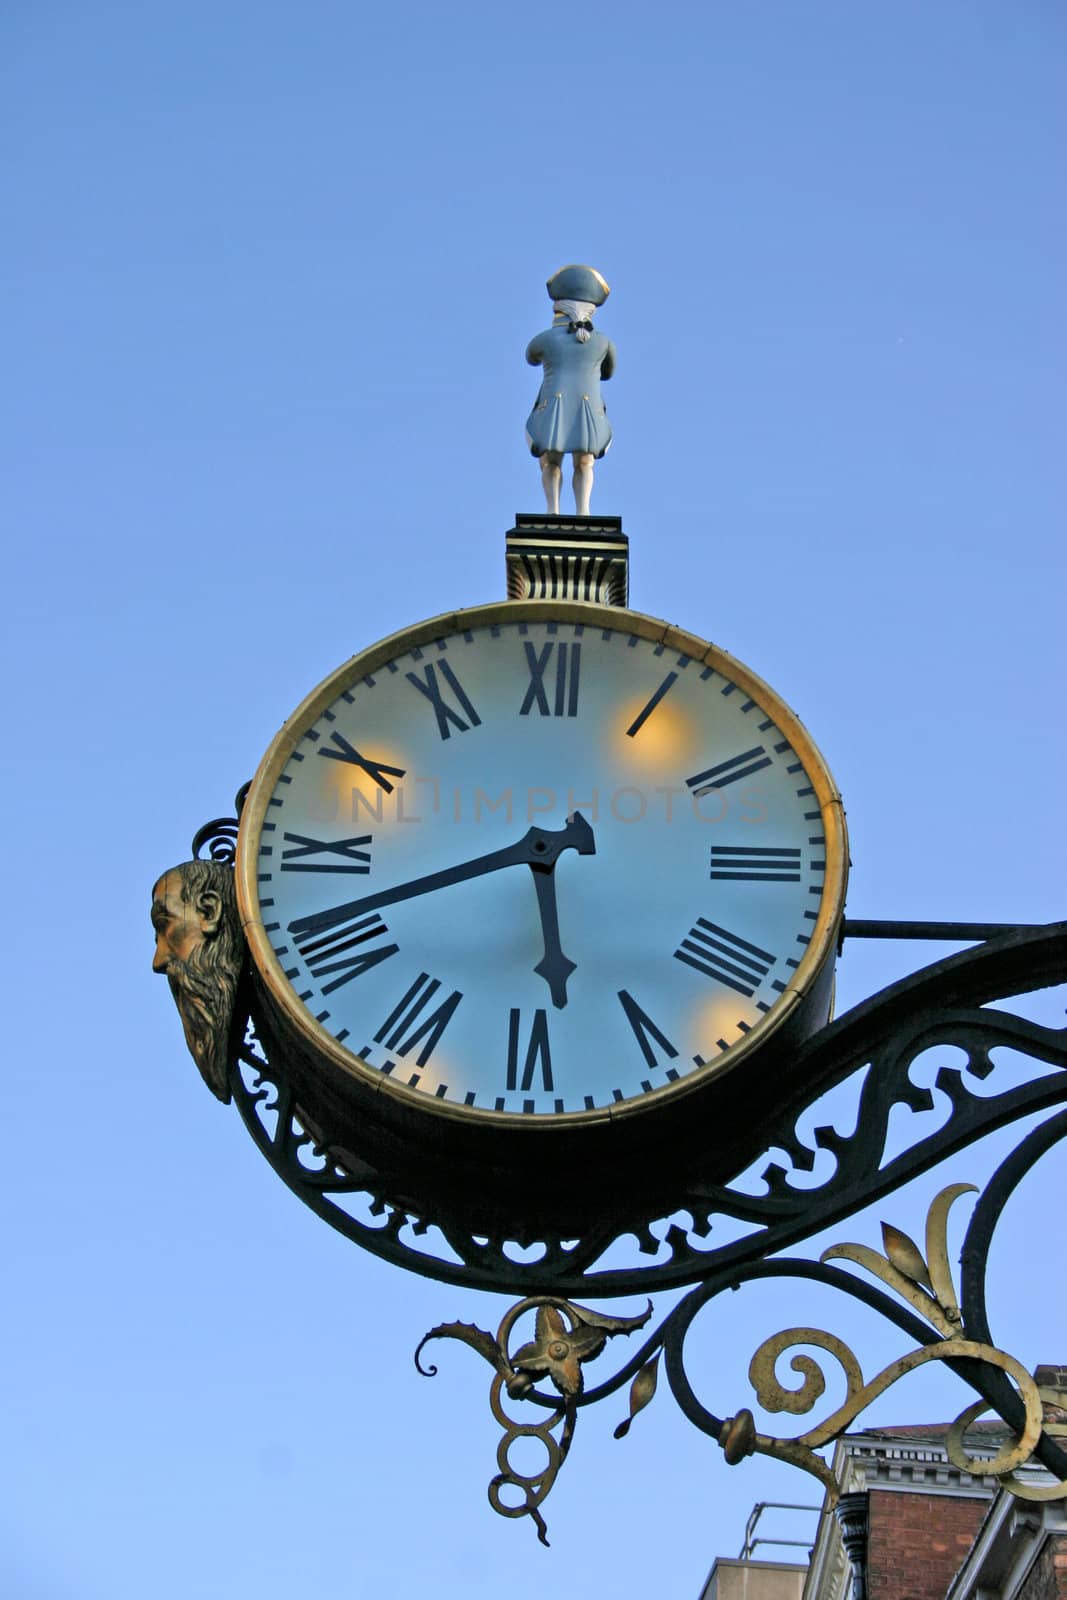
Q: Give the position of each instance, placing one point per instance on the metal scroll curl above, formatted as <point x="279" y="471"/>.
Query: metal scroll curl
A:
<point x="1053" y="1402"/>
<point x="216" y="841"/>
<point x="219" y="837"/>
<point x="801" y="1450"/>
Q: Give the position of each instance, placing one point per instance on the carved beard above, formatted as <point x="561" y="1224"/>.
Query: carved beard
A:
<point x="204" y="996"/>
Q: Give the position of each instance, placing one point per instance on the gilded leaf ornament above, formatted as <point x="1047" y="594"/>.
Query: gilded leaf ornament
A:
<point x="565" y="1337"/>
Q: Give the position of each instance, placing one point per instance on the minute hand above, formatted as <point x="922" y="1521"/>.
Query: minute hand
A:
<point x="539" y="847"/>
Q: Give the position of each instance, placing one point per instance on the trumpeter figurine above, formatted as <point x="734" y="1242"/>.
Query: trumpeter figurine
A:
<point x="569" y="416"/>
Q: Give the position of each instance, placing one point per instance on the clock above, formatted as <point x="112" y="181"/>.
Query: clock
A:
<point x="540" y="896"/>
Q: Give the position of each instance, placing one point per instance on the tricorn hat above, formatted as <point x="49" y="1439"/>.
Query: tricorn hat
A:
<point x="578" y="283"/>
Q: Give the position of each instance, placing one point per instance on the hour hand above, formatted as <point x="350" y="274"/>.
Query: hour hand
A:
<point x="554" y="966"/>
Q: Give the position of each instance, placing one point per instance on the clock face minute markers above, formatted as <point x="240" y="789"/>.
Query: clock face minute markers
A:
<point x="542" y="867"/>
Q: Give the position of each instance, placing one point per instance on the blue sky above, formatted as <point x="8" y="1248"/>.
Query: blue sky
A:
<point x="269" y="272"/>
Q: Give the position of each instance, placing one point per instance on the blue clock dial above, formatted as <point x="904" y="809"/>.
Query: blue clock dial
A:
<point x="542" y="867"/>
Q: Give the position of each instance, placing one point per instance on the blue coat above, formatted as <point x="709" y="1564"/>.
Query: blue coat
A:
<point x="569" y="414"/>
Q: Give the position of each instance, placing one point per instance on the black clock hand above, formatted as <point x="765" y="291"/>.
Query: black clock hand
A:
<point x="554" y="966"/>
<point x="540" y="847"/>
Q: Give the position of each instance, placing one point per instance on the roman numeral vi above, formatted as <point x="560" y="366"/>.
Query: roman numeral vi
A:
<point x="538" y="1055"/>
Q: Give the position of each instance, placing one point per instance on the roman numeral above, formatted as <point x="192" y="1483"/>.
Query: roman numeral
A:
<point x="340" y="950"/>
<point x="643" y="715"/>
<point x="376" y="770"/>
<point x="645" y="1029"/>
<point x="755" y="863"/>
<point x="353" y="859"/>
<point x="742" y="766"/>
<point x="722" y="955"/>
<point x="408" y="1016"/>
<point x="447" y="717"/>
<point x="538" y="1052"/>
<point x="568" y="658"/>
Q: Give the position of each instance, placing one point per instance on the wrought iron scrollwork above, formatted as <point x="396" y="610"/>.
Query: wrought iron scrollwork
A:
<point x="944" y="1006"/>
<point x="957" y="1004"/>
<point x="923" y="1281"/>
<point x="219" y="837"/>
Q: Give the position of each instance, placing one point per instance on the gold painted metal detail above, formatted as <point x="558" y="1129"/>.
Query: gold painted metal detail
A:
<point x="925" y="1282"/>
<point x="1054" y="1403"/>
<point x="641" y="1392"/>
<point x="566" y="1336"/>
<point x="738" y="1437"/>
<point x="200" y="950"/>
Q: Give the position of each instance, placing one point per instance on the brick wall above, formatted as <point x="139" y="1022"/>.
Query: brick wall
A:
<point x="1047" y="1578"/>
<point x="916" y="1543"/>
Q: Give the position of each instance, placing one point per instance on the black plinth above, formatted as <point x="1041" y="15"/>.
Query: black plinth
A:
<point x="568" y="558"/>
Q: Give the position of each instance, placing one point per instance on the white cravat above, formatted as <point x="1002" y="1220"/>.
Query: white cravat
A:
<point x="576" y="311"/>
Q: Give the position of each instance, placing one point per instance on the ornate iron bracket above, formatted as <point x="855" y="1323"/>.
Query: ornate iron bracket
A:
<point x="923" y="1281"/>
<point x="945" y="1326"/>
<point x="945" y="1005"/>
<point x="956" y="1002"/>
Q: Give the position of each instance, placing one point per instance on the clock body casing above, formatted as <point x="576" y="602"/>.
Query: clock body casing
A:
<point x="428" y="1053"/>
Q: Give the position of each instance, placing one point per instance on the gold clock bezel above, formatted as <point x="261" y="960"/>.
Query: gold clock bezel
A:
<point x="369" y="1080"/>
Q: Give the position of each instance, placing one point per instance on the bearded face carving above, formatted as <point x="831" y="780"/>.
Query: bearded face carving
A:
<point x="200" y="949"/>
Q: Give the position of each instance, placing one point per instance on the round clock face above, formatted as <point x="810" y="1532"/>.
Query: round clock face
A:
<point x="540" y="861"/>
